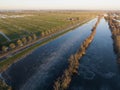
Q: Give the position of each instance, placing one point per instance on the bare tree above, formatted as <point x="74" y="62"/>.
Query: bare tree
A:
<point x="24" y="40"/>
<point x="12" y="46"/>
<point x="4" y="48"/>
<point x="19" y="42"/>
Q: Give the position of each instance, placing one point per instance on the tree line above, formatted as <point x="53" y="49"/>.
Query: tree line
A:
<point x="19" y="43"/>
<point x="115" y="30"/>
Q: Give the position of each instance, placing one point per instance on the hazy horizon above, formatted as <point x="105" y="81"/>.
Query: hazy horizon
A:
<point x="59" y="5"/>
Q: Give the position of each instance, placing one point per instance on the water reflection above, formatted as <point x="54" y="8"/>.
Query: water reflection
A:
<point x="98" y="69"/>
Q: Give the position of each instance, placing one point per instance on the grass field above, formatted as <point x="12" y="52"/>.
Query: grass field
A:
<point x="17" y="25"/>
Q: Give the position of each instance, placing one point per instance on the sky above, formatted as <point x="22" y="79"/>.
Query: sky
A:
<point x="60" y="4"/>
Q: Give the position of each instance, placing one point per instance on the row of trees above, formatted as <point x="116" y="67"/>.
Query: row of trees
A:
<point x="19" y="43"/>
<point x="63" y="82"/>
<point x="48" y="32"/>
<point x="53" y="30"/>
<point x="115" y="29"/>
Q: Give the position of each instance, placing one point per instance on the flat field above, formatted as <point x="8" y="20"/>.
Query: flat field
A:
<point x="15" y="25"/>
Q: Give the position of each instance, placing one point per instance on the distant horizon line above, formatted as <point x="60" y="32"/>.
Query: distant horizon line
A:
<point x="58" y="10"/>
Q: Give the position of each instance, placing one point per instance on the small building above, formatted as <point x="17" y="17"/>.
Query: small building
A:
<point x="73" y="18"/>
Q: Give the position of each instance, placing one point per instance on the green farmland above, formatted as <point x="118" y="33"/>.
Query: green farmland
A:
<point x="37" y="22"/>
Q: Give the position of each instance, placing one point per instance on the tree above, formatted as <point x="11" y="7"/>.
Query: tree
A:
<point x="19" y="42"/>
<point x="12" y="45"/>
<point x="57" y="85"/>
<point x="4" y="48"/>
<point x="42" y="34"/>
<point x="34" y="36"/>
<point x="24" y="40"/>
<point x="29" y="38"/>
